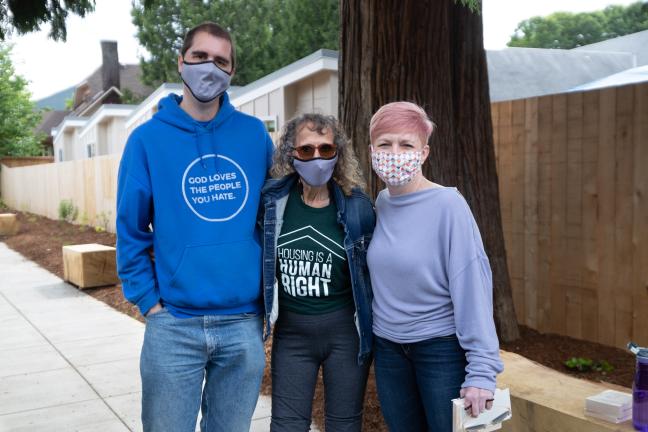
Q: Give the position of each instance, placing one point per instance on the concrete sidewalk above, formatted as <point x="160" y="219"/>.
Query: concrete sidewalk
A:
<point x="68" y="362"/>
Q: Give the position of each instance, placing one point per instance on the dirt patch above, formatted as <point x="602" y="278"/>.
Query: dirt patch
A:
<point x="40" y="239"/>
<point x="553" y="350"/>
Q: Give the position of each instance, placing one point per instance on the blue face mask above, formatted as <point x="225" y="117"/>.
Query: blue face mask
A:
<point x="205" y="80"/>
<point x="315" y="172"/>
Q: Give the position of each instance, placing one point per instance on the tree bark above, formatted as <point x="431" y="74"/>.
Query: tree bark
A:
<point x="431" y="53"/>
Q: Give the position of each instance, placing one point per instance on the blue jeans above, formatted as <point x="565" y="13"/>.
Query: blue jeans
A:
<point x="417" y="381"/>
<point x="179" y="354"/>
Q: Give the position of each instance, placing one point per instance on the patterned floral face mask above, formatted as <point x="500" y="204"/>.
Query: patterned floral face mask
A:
<point x="396" y="169"/>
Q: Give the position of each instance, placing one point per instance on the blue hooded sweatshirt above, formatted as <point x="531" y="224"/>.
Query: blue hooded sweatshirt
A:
<point x="190" y="191"/>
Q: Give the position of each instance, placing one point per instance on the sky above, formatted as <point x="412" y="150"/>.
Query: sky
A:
<point x="53" y="66"/>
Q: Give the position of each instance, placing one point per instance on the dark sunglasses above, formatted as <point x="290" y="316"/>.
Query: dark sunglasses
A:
<point x="307" y="152"/>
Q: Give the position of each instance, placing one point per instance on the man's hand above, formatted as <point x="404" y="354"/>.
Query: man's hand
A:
<point x="476" y="400"/>
<point x="156" y="308"/>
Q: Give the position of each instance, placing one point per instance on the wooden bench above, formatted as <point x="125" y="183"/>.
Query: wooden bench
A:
<point x="90" y="265"/>
<point x="545" y="400"/>
<point x="8" y="224"/>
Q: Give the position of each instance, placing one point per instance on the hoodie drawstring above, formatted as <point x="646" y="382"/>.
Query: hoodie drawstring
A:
<point x="200" y="154"/>
<point x="211" y="137"/>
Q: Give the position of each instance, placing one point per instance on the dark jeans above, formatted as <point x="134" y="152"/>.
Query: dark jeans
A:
<point x="303" y="343"/>
<point x="417" y="381"/>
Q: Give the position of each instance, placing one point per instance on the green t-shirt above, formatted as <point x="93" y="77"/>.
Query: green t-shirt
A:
<point x="312" y="267"/>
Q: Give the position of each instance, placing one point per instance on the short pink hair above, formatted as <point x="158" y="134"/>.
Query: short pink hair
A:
<point x="401" y="117"/>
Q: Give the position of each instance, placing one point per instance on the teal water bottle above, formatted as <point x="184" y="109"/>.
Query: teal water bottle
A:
<point x="640" y="389"/>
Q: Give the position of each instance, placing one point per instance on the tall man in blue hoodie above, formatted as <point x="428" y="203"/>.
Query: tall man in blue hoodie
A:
<point x="188" y="189"/>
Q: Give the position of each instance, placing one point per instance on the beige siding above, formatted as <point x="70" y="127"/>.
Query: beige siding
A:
<point x="143" y="118"/>
<point x="248" y="108"/>
<point x="103" y="139"/>
<point x="322" y="93"/>
<point x="333" y="94"/>
<point x="261" y="106"/>
<point x="276" y="106"/>
<point x="69" y="148"/>
<point x="290" y="102"/>
<point x="58" y="145"/>
<point x="116" y="135"/>
<point x="315" y="94"/>
<point x="90" y="138"/>
<point x="304" y="96"/>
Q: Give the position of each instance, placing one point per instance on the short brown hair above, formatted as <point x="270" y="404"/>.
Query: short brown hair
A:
<point x="214" y="30"/>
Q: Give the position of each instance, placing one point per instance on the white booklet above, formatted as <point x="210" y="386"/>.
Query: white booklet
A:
<point x="489" y="420"/>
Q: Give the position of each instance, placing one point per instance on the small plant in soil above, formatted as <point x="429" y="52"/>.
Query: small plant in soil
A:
<point x="84" y="220"/>
<point x="582" y="364"/>
<point x="3" y="206"/>
<point x="103" y="219"/>
<point x="67" y="211"/>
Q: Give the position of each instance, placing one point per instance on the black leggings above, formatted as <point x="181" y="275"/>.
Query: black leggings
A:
<point x="303" y="343"/>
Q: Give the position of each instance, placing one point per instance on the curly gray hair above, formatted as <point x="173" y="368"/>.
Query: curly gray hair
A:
<point x="347" y="173"/>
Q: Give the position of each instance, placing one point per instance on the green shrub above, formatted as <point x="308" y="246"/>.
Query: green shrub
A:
<point x="85" y="220"/>
<point x="102" y="221"/>
<point x="67" y="211"/>
<point x="585" y="365"/>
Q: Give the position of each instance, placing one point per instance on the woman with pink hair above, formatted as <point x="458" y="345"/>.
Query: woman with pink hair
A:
<point x="434" y="335"/>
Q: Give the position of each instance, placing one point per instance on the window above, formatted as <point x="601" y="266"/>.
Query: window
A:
<point x="90" y="149"/>
<point x="60" y="155"/>
<point x="270" y="123"/>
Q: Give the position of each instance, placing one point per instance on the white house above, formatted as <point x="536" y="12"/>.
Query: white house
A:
<point x="65" y="139"/>
<point x="85" y="137"/>
<point x="307" y="85"/>
<point x="145" y="110"/>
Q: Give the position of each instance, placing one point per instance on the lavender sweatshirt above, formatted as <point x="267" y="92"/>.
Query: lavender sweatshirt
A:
<point x="431" y="277"/>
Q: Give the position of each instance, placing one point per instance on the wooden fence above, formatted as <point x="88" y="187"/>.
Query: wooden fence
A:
<point x="573" y="173"/>
<point x="91" y="185"/>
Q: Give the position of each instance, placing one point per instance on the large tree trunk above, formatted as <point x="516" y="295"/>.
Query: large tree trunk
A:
<point x="430" y="52"/>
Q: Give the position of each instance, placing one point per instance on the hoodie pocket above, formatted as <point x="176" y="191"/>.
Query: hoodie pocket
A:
<point x="214" y="276"/>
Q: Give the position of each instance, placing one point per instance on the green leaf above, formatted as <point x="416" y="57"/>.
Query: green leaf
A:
<point x="268" y="34"/>
<point x="567" y="30"/>
<point x="18" y="115"/>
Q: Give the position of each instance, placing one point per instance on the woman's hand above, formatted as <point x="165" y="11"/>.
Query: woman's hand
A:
<point x="476" y="400"/>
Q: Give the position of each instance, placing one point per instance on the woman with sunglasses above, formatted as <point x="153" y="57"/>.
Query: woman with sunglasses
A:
<point x="317" y="226"/>
<point x="434" y="335"/>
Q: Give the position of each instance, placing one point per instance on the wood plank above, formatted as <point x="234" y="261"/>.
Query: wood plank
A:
<point x="624" y="213"/>
<point x="573" y="268"/>
<point x="516" y="189"/>
<point x="545" y="400"/>
<point x="505" y="156"/>
<point x="605" y="228"/>
<point x="558" y="212"/>
<point x="590" y="263"/>
<point x="640" y="217"/>
<point x="574" y="311"/>
<point x="574" y="263"/>
<point x="531" y="213"/>
<point x="545" y="122"/>
<point x="495" y="124"/>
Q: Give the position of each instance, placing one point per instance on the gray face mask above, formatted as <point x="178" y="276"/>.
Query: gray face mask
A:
<point x="205" y="80"/>
<point x="315" y="172"/>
